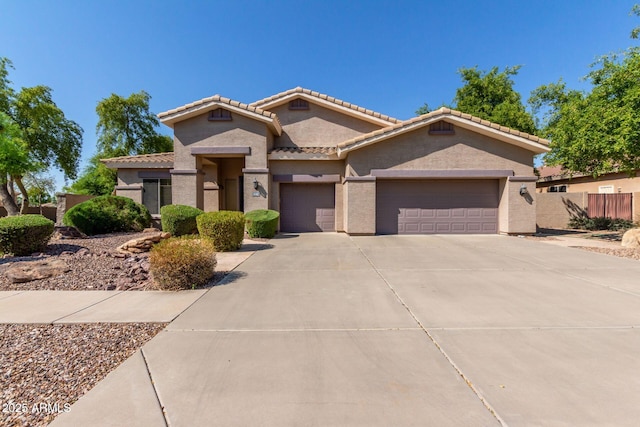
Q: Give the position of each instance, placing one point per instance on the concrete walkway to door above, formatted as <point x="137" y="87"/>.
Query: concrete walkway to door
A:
<point x="328" y="330"/>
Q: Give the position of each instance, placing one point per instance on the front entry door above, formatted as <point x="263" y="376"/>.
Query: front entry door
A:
<point x="231" y="195"/>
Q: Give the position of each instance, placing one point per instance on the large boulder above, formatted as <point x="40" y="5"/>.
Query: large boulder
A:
<point x="144" y="243"/>
<point x="27" y="271"/>
<point x="631" y="239"/>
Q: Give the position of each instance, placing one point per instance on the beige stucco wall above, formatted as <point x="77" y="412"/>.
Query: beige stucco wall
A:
<point x="419" y="150"/>
<point x="521" y="209"/>
<point x="554" y="210"/>
<point x="359" y="207"/>
<point x="621" y="184"/>
<point x="256" y="198"/>
<point x="200" y="132"/>
<point x="317" y="127"/>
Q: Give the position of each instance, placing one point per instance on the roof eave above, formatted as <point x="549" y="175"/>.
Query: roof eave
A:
<point x="137" y="165"/>
<point x="359" y="113"/>
<point x="172" y="118"/>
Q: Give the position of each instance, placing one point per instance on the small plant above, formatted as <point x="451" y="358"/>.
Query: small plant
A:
<point x="599" y="223"/>
<point x="108" y="214"/>
<point x="24" y="234"/>
<point x="224" y="228"/>
<point x="262" y="223"/>
<point x="182" y="263"/>
<point x="179" y="219"/>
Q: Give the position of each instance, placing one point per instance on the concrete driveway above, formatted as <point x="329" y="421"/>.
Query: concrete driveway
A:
<point x="332" y="330"/>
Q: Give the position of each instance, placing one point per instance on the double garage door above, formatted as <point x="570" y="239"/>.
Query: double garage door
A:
<point x="402" y="207"/>
<point x="307" y="207"/>
<point x="437" y="206"/>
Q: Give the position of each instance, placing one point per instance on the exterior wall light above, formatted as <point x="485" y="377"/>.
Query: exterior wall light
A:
<point x="523" y="190"/>
<point x="256" y="184"/>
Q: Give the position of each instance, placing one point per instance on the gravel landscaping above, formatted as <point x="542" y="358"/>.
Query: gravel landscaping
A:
<point x="45" y="368"/>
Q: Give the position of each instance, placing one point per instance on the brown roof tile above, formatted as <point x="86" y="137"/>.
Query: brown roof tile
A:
<point x="442" y="112"/>
<point x="305" y="150"/>
<point x="143" y="158"/>
<point x="325" y="98"/>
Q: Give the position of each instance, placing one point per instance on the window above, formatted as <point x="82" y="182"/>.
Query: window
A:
<point x="441" y="128"/>
<point x="298" y="104"/>
<point x="155" y="194"/>
<point x="557" y="189"/>
<point x="219" y="114"/>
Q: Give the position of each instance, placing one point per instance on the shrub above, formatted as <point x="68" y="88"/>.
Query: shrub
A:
<point x="108" y="214"/>
<point x="182" y="263"/>
<point x="262" y="223"/>
<point x="179" y="219"/>
<point x="224" y="228"/>
<point x="24" y="234"/>
<point x="599" y="223"/>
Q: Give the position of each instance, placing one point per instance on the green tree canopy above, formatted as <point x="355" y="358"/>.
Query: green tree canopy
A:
<point x="491" y="96"/>
<point x="35" y="127"/>
<point x="127" y="127"/>
<point x="596" y="132"/>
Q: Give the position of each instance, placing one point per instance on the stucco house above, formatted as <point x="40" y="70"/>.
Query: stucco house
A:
<point x="555" y="179"/>
<point x="328" y="165"/>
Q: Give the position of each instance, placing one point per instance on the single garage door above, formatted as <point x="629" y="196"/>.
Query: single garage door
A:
<point x="436" y="206"/>
<point x="307" y="207"/>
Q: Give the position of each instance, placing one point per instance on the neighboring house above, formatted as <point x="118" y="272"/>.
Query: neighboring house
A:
<point x="328" y="165"/>
<point x="554" y="179"/>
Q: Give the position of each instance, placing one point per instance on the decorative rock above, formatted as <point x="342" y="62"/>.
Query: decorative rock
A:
<point x="27" y="271"/>
<point x="143" y="244"/>
<point x="631" y="239"/>
<point x="83" y="252"/>
<point x="66" y="232"/>
<point x="150" y="230"/>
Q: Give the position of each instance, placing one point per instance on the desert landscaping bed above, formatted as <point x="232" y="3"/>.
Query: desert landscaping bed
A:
<point x="45" y="368"/>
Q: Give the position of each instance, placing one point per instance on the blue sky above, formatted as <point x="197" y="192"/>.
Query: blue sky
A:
<point x="389" y="56"/>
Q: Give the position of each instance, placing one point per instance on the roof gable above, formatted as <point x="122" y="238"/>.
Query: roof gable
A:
<point x="327" y="102"/>
<point x="467" y="121"/>
<point x="204" y="105"/>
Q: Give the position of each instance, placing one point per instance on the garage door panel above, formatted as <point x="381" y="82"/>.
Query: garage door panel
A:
<point x="437" y="206"/>
<point x="307" y="207"/>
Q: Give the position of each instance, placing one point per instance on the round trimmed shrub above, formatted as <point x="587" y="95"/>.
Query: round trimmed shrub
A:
<point x="262" y="223"/>
<point x="108" y="214"/>
<point x="224" y="228"/>
<point x="182" y="263"/>
<point x="24" y="234"/>
<point x="179" y="219"/>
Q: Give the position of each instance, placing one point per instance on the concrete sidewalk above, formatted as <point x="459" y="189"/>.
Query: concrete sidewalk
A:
<point x="111" y="306"/>
<point x="327" y="329"/>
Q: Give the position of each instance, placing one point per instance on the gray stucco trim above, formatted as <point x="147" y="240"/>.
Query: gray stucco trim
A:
<point x="186" y="172"/>
<point x="359" y="178"/>
<point x="442" y="173"/>
<point x="154" y="174"/>
<point x="221" y="150"/>
<point x="523" y="178"/>
<point x="128" y="187"/>
<point x="306" y="178"/>
<point x="257" y="170"/>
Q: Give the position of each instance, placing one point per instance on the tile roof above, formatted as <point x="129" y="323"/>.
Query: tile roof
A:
<point x="143" y="158"/>
<point x="323" y="97"/>
<point x="432" y="117"/>
<point x="218" y="99"/>
<point x="305" y="150"/>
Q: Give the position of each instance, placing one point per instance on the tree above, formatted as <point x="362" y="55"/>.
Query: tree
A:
<point x="490" y="96"/>
<point x="596" y="132"/>
<point x="40" y="187"/>
<point x="37" y="126"/>
<point x="125" y="127"/>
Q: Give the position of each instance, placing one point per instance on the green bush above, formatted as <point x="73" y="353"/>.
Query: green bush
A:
<point x="108" y="214"/>
<point x="24" y="234"/>
<point x="182" y="263"/>
<point x="599" y="223"/>
<point x="179" y="219"/>
<point x="262" y="223"/>
<point x="224" y="228"/>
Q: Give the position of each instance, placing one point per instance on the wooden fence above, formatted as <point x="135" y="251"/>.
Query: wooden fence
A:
<point x="615" y="206"/>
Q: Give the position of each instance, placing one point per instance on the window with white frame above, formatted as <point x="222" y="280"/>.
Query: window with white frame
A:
<point x="156" y="194"/>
